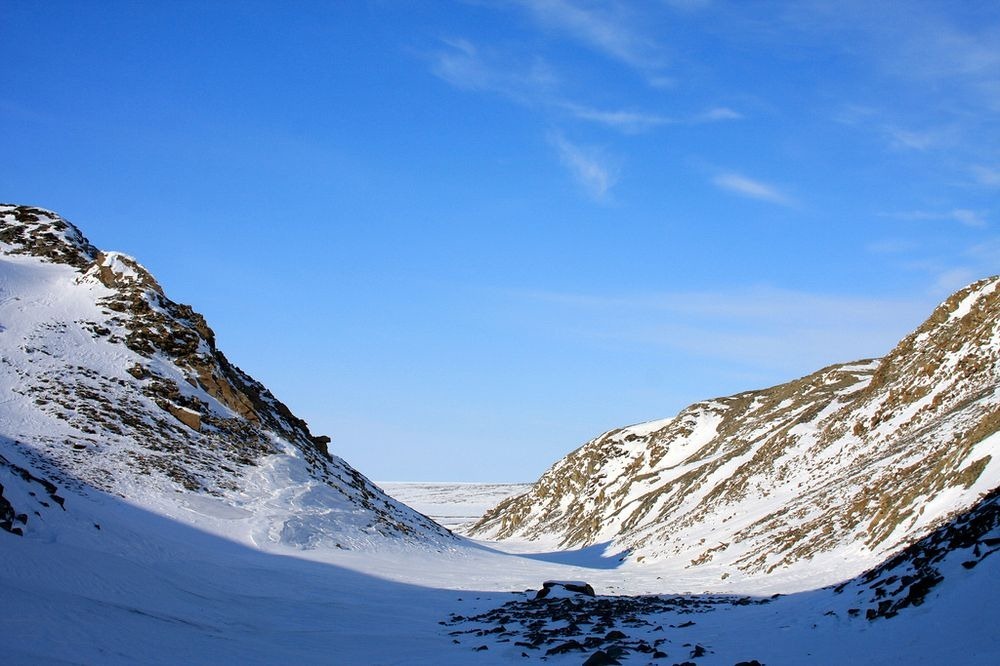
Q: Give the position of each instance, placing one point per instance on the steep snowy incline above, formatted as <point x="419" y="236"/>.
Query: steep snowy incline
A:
<point x="848" y="464"/>
<point x="106" y="383"/>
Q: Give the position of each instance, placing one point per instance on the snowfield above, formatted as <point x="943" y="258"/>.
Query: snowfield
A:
<point x="145" y="588"/>
<point x="454" y="505"/>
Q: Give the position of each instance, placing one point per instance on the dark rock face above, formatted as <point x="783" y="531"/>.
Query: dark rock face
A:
<point x="7" y="515"/>
<point x="601" y="658"/>
<point x="44" y="495"/>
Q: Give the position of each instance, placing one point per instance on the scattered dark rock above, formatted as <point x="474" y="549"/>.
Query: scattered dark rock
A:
<point x="581" y="623"/>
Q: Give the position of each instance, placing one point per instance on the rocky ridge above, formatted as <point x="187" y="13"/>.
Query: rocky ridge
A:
<point x="861" y="458"/>
<point x="114" y="386"/>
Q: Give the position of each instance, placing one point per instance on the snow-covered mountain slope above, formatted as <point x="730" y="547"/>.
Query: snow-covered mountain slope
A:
<point x="849" y="464"/>
<point x="107" y="384"/>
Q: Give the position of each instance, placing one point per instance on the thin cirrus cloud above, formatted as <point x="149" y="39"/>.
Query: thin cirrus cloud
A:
<point x="964" y="216"/>
<point x="635" y="122"/>
<point x="464" y="65"/>
<point x="533" y="83"/>
<point x="752" y="189"/>
<point x="717" y="114"/>
<point x="592" y="170"/>
<point x="605" y="29"/>
<point x="751" y="326"/>
<point x="987" y="176"/>
<point x="629" y="122"/>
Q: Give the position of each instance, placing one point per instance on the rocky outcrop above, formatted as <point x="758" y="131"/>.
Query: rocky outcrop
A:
<point x="874" y="453"/>
<point x="188" y="417"/>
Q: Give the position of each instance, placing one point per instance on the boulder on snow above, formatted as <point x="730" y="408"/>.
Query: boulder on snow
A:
<point x="601" y="658"/>
<point x="565" y="588"/>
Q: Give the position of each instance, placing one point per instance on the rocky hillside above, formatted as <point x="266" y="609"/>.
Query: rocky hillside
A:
<point x="107" y="384"/>
<point x="852" y="462"/>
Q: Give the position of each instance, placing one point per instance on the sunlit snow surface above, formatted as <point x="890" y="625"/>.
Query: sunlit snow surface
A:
<point x="145" y="588"/>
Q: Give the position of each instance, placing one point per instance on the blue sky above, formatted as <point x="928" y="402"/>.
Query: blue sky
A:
<point x="462" y="238"/>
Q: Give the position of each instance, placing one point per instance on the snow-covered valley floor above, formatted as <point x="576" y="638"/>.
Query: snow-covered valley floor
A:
<point x="151" y="587"/>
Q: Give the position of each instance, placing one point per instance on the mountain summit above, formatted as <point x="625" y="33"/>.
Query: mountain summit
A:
<point x="108" y="383"/>
<point x="852" y="462"/>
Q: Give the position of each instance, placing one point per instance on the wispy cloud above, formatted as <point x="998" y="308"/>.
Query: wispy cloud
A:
<point x="634" y="122"/>
<point x="893" y="133"/>
<point x="920" y="140"/>
<point x="763" y="327"/>
<point x="606" y="28"/>
<point x="534" y="83"/>
<point x="688" y="5"/>
<point x="953" y="279"/>
<point x="892" y="246"/>
<point x="965" y="216"/>
<point x="589" y="166"/>
<point x="937" y="72"/>
<point x="630" y="122"/>
<point x="717" y="114"/>
<point x="918" y="42"/>
<point x="948" y="271"/>
<point x="465" y="65"/>
<point x="987" y="176"/>
<point x="969" y="218"/>
<point x="750" y="188"/>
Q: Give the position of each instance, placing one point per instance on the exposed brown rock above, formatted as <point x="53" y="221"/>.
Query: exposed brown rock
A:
<point x="188" y="417"/>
